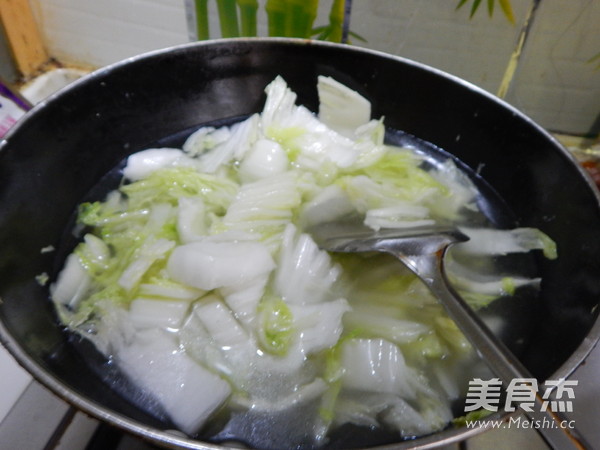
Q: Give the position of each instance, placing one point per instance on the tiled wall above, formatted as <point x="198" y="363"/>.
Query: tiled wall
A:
<point x="553" y="82"/>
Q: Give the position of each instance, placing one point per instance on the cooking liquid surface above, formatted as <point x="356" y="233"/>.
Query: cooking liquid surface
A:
<point x="510" y="317"/>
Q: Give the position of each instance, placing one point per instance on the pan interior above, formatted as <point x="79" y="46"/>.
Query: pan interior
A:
<point x="56" y="154"/>
<point x="510" y="317"/>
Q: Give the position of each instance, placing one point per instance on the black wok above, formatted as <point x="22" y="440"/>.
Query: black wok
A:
<point x="63" y="147"/>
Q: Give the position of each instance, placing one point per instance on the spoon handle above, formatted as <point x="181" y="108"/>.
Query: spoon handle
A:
<point x="430" y="268"/>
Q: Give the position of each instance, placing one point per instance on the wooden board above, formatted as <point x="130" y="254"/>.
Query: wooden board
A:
<point x="23" y="36"/>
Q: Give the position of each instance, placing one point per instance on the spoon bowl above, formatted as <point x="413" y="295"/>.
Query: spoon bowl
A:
<point x="422" y="250"/>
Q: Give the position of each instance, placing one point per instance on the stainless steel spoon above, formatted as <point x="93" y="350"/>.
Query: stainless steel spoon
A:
<point x="422" y="250"/>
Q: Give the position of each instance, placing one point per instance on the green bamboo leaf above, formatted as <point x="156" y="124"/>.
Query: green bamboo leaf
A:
<point x="461" y="3"/>
<point x="357" y="36"/>
<point x="334" y="30"/>
<point x="321" y="33"/>
<point x="507" y="9"/>
<point x="504" y="4"/>
<point x="475" y="6"/>
<point x="595" y="59"/>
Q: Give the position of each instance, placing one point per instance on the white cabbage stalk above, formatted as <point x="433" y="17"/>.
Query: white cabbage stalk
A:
<point x="73" y="283"/>
<point x="395" y="412"/>
<point x="495" y="287"/>
<point x="239" y="358"/>
<point x="241" y="139"/>
<point x="488" y="241"/>
<point x="150" y="252"/>
<point x="114" y="331"/>
<point x="305" y="274"/>
<point x="151" y="313"/>
<point x="401" y="215"/>
<point x="375" y="365"/>
<point x="204" y="139"/>
<point x="341" y="108"/>
<point x="395" y="330"/>
<point x="266" y="158"/>
<point x="96" y="250"/>
<point x="158" y="215"/>
<point x="464" y="192"/>
<point x="301" y="395"/>
<point x="270" y="199"/>
<point x="361" y="410"/>
<point x="210" y="265"/>
<point x="215" y="337"/>
<point x="279" y="104"/>
<point x="169" y="289"/>
<point x="319" y="145"/>
<point x="412" y="422"/>
<point x="191" y="219"/>
<point x="319" y="325"/>
<point x="199" y="345"/>
<point x="189" y="393"/>
<point x="243" y="299"/>
<point x="329" y="205"/>
<point x="226" y="332"/>
<point x="264" y="207"/>
<point x="369" y="143"/>
<point x="299" y="131"/>
<point x="367" y="194"/>
<point x="141" y="164"/>
<point x="483" y="283"/>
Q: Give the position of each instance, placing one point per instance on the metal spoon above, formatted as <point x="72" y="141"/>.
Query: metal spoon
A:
<point x="422" y="250"/>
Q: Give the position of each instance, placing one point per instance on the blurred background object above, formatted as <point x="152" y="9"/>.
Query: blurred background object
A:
<point x="543" y="63"/>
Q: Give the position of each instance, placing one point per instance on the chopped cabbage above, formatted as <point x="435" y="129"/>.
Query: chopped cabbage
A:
<point x="500" y="242"/>
<point x="210" y="265"/>
<point x="188" y="392"/>
<point x="266" y="158"/>
<point x="73" y="283"/>
<point x="305" y="274"/>
<point x="141" y="164"/>
<point x="375" y="365"/>
<point x="197" y="277"/>
<point x="341" y="108"/>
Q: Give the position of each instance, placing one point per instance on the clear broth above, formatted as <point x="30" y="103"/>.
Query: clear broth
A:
<point x="280" y="431"/>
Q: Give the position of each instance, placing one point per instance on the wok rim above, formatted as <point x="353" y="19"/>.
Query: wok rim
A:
<point x="170" y="439"/>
